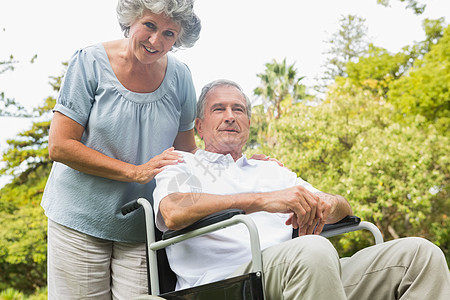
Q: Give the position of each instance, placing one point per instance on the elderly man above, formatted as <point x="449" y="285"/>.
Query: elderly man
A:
<point x="308" y="267"/>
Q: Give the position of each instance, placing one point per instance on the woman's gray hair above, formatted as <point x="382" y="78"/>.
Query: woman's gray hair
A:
<point x="180" y="11"/>
<point x="220" y="82"/>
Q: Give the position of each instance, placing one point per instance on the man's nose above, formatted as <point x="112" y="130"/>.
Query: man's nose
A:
<point x="229" y="116"/>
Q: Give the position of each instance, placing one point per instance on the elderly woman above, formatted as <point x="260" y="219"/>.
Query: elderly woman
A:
<point x="122" y="109"/>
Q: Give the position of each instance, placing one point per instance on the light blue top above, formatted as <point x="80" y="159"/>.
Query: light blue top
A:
<point x="131" y="127"/>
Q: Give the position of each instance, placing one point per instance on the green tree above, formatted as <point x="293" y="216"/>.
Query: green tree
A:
<point x="425" y="90"/>
<point x="7" y="65"/>
<point x="378" y="68"/>
<point x="414" y="5"/>
<point x="23" y="226"/>
<point x="393" y="171"/>
<point x="345" y="45"/>
<point x="8" y="106"/>
<point x="280" y="86"/>
<point x="434" y="31"/>
<point x="395" y="175"/>
<point x="6" y="103"/>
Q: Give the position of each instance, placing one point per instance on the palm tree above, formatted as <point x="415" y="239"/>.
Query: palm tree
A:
<point x="279" y="83"/>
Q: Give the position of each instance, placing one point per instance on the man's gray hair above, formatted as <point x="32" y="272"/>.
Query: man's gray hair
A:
<point x="179" y="11"/>
<point x="220" y="82"/>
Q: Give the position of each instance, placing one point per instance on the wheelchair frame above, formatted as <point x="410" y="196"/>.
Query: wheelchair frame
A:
<point x="219" y="221"/>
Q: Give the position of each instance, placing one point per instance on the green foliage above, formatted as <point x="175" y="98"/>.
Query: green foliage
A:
<point x="425" y="90"/>
<point x="345" y="45"/>
<point x="280" y="86"/>
<point x="434" y="30"/>
<point x="7" y="65"/>
<point x="12" y="294"/>
<point x="393" y="174"/>
<point x="28" y="151"/>
<point x="23" y="249"/>
<point x="23" y="226"/>
<point x="8" y="106"/>
<point x="23" y="231"/>
<point x="376" y="70"/>
<point x="414" y="5"/>
<point x="394" y="170"/>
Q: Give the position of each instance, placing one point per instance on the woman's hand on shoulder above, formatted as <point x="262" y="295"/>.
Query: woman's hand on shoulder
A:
<point x="266" y="158"/>
<point x="146" y="172"/>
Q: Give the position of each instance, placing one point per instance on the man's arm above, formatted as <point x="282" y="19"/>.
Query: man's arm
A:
<point x="180" y="210"/>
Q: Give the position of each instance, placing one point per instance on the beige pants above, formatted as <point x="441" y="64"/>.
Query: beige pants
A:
<point x="84" y="267"/>
<point x="308" y="267"/>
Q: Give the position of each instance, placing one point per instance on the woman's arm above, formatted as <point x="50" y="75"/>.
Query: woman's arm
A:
<point x="64" y="146"/>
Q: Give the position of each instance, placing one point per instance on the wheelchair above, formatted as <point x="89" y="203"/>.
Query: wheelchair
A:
<point x="245" y="287"/>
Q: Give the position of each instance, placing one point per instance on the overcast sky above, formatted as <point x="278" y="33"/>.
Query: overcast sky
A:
<point x="237" y="39"/>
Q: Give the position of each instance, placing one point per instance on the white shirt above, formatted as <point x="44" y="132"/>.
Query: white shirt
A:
<point x="217" y="255"/>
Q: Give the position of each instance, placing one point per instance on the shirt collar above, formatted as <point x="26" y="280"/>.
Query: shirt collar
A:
<point x="216" y="157"/>
<point x="211" y="156"/>
<point x="244" y="161"/>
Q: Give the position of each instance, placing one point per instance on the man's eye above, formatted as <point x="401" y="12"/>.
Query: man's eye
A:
<point x="218" y="109"/>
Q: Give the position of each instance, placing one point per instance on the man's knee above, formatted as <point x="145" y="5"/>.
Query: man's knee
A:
<point x="424" y="249"/>
<point x="299" y="267"/>
<point x="412" y="252"/>
<point x="315" y="251"/>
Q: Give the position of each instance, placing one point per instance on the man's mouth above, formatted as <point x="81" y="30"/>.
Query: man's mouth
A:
<point x="230" y="130"/>
<point x="150" y="50"/>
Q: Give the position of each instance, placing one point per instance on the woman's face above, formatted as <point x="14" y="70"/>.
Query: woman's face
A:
<point x="152" y="36"/>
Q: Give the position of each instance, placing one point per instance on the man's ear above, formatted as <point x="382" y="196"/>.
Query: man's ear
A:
<point x="198" y="125"/>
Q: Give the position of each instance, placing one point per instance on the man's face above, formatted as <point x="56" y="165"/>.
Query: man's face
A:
<point x="225" y="126"/>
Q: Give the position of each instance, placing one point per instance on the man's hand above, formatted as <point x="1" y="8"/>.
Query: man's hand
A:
<point x="302" y="204"/>
<point x="326" y="207"/>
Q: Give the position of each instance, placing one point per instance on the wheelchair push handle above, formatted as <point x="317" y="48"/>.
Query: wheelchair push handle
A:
<point x="130" y="207"/>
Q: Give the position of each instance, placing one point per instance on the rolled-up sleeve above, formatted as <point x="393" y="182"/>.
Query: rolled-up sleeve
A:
<point x="174" y="179"/>
<point x="77" y="93"/>
<point x="306" y="185"/>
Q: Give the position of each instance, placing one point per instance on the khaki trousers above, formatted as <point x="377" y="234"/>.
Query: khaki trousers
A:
<point x="308" y="267"/>
<point x="84" y="267"/>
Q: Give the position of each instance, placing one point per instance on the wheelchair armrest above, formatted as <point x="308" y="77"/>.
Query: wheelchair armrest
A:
<point x="208" y="220"/>
<point x="349" y="224"/>
<point x="345" y="222"/>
